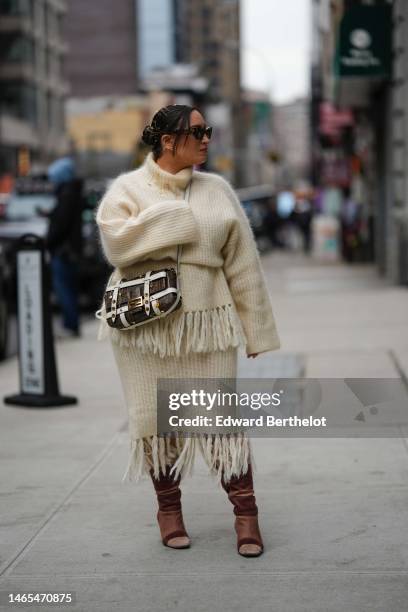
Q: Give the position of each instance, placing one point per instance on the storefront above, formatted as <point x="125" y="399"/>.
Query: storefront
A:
<point x="362" y="70"/>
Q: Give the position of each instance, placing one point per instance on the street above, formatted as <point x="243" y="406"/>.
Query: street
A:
<point x="332" y="511"/>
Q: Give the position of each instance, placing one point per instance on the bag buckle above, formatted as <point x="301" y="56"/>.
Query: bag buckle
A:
<point x="136" y="302"/>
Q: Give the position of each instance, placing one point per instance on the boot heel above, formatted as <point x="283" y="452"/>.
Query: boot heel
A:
<point x="241" y="494"/>
<point x="169" y="516"/>
<point x="249" y="540"/>
<point x="172" y="530"/>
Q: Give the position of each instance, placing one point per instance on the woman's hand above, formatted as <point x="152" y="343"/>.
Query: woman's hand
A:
<point x="253" y="355"/>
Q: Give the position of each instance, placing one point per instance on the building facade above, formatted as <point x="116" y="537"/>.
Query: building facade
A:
<point x="291" y="129"/>
<point x="394" y="238"/>
<point x="156" y="35"/>
<point x="209" y="34"/>
<point x="102" y="57"/>
<point x="188" y="48"/>
<point x="360" y="67"/>
<point x="32" y="87"/>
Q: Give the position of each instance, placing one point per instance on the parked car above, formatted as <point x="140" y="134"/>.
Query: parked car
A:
<point x="21" y="217"/>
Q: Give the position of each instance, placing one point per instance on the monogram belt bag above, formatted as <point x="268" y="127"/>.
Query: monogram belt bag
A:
<point x="144" y="298"/>
<point x="148" y="296"/>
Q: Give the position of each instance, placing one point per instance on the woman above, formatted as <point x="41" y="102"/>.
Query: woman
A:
<point x="225" y="304"/>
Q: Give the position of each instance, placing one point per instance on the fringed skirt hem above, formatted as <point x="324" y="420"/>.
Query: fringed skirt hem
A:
<point x="226" y="455"/>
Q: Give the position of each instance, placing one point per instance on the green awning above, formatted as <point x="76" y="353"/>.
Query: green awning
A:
<point x="364" y="42"/>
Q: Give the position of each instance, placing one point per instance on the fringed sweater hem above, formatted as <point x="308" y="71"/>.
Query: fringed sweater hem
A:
<point x="180" y="333"/>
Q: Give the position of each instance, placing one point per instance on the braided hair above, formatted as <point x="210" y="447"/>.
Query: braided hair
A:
<point x="166" y="121"/>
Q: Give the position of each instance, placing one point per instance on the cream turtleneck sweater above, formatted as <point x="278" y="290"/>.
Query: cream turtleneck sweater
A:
<point x="142" y="218"/>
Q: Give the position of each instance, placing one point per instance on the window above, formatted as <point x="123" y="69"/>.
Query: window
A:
<point x="16" y="7"/>
<point x="60" y="119"/>
<point x="59" y="26"/>
<point x="9" y="7"/>
<point x="46" y="22"/>
<point x="50" y="111"/>
<point x="48" y="63"/>
<point x="16" y="49"/>
<point x="19" y="100"/>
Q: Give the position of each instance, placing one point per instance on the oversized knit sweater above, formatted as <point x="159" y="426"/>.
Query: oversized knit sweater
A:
<point x="142" y="218"/>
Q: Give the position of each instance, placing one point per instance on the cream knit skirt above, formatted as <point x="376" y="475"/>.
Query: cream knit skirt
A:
<point x="225" y="454"/>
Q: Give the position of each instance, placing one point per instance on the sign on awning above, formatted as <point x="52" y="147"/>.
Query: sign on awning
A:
<point x="364" y="42"/>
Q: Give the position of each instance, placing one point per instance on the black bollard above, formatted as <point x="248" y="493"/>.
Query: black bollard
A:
<point x="37" y="365"/>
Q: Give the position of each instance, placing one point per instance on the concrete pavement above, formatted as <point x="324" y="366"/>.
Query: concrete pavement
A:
<point x="333" y="511"/>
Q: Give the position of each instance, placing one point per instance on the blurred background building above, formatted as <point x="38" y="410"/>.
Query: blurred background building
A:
<point x="188" y="49"/>
<point x="158" y="36"/>
<point x="291" y="129"/>
<point x="257" y="120"/>
<point x="103" y="58"/>
<point x="32" y="86"/>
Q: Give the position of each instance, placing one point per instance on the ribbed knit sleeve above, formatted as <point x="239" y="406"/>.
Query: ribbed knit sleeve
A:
<point x="245" y="277"/>
<point x="127" y="233"/>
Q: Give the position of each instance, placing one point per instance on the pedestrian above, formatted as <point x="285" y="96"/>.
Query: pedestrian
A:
<point x="142" y="218"/>
<point x="302" y="216"/>
<point x="350" y="218"/>
<point x="273" y="223"/>
<point x="64" y="241"/>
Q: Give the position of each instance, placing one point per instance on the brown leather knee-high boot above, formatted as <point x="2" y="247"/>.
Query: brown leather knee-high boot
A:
<point x="169" y="515"/>
<point x="240" y="492"/>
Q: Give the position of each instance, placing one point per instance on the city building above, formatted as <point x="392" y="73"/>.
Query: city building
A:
<point x="262" y="145"/>
<point x="209" y="33"/>
<point x="125" y="42"/>
<point x="189" y="49"/>
<point x="291" y="130"/>
<point x="102" y="57"/>
<point x="32" y="87"/>
<point x="201" y="37"/>
<point x="157" y="36"/>
<point x="105" y="132"/>
<point x="209" y="37"/>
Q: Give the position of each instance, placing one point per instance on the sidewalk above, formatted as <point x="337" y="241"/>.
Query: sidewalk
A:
<point x="332" y="511"/>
